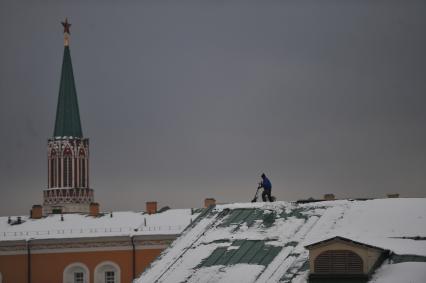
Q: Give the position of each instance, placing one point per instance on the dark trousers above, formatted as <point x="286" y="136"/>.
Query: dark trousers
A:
<point x="267" y="193"/>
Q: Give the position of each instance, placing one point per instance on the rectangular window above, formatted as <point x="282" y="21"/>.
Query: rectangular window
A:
<point x="109" y="277"/>
<point x="78" y="277"/>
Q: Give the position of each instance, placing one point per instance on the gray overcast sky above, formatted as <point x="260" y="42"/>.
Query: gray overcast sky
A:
<point x="185" y="100"/>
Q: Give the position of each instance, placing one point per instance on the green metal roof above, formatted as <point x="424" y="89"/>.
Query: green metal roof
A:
<point x="244" y="250"/>
<point x="248" y="251"/>
<point x="266" y="237"/>
<point x="67" y="113"/>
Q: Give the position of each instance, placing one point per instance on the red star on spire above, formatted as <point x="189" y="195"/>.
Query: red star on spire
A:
<point x="66" y="26"/>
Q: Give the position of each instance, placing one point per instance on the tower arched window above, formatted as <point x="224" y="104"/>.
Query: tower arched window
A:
<point x="53" y="169"/>
<point x="83" y="176"/>
<point x="67" y="167"/>
<point x="82" y="168"/>
<point x="59" y="168"/>
<point x="51" y="173"/>
<point x="75" y="160"/>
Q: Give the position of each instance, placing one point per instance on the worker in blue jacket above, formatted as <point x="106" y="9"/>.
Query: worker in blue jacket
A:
<point x="267" y="188"/>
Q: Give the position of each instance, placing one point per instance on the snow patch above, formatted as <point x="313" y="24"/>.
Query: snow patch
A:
<point x="409" y="272"/>
<point x="243" y="273"/>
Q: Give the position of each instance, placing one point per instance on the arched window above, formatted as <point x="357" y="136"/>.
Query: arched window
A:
<point x="67" y="167"/>
<point x="107" y="272"/>
<point x="51" y="157"/>
<point x="59" y="181"/>
<point x="53" y="169"/>
<point x="76" y="273"/>
<point x="82" y="168"/>
<point x="83" y="173"/>
<point x="338" y="262"/>
<point x="75" y="161"/>
<point x="67" y="171"/>
<point x="52" y="176"/>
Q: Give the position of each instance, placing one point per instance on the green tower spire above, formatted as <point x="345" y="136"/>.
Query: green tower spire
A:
<point x="67" y="113"/>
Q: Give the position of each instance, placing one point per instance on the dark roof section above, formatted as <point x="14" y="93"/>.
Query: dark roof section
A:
<point x="248" y="251"/>
<point x="67" y="113"/>
<point x="345" y="240"/>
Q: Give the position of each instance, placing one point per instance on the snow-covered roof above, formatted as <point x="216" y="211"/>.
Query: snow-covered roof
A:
<point x="265" y="242"/>
<point x="382" y="223"/>
<point x="413" y="272"/>
<point x="172" y="221"/>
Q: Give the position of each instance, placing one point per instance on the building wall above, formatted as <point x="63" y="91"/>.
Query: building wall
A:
<point x="13" y="268"/>
<point x="49" y="267"/>
<point x="368" y="255"/>
<point x="49" y="258"/>
<point x="67" y="208"/>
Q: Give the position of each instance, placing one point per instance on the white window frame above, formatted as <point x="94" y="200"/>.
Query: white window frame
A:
<point x="69" y="271"/>
<point x="75" y="273"/>
<point x="104" y="266"/>
<point x="107" y="276"/>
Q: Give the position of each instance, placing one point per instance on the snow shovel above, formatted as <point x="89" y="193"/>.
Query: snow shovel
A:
<point x="257" y="193"/>
<point x="255" y="196"/>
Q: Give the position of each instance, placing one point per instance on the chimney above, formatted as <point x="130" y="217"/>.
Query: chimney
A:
<point x="151" y="207"/>
<point x="37" y="211"/>
<point x="329" y="197"/>
<point x="94" y="209"/>
<point x="393" y="195"/>
<point x="209" y="202"/>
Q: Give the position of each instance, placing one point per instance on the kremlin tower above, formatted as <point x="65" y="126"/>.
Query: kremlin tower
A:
<point x="68" y="189"/>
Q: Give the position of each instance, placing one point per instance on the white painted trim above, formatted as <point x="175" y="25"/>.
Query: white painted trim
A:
<point x="79" y="250"/>
<point x="14" y="253"/>
<point x="152" y="247"/>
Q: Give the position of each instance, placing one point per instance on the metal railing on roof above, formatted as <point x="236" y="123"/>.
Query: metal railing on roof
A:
<point x="99" y="230"/>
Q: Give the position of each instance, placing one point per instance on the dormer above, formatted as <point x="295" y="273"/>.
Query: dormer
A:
<point x="338" y="257"/>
